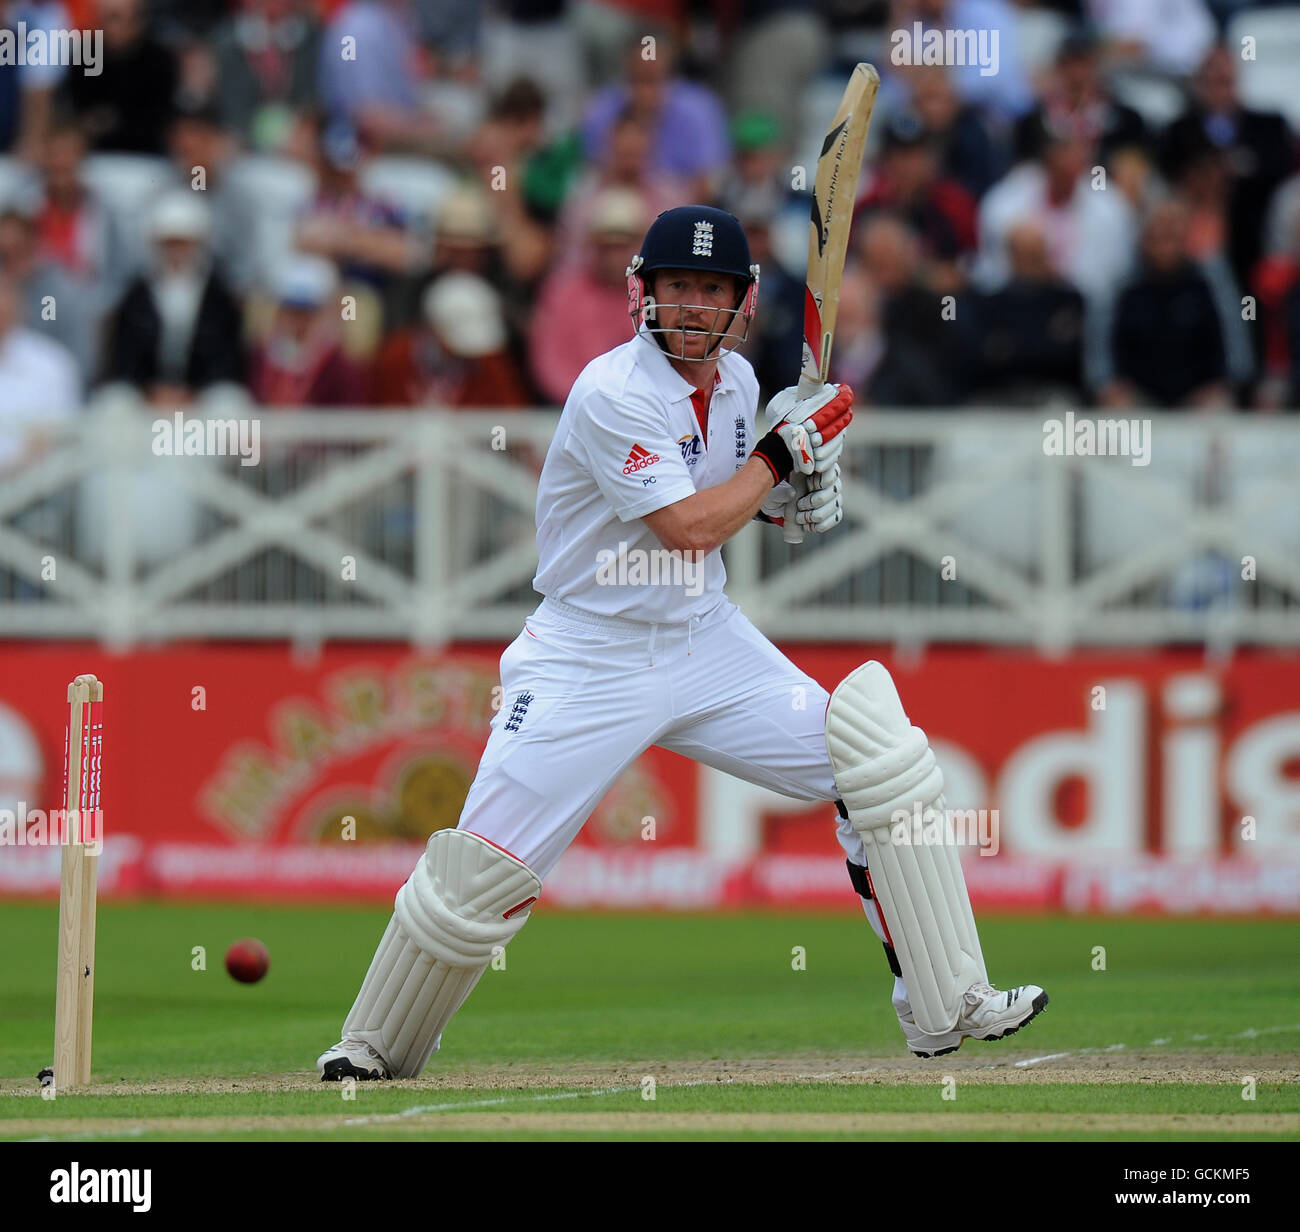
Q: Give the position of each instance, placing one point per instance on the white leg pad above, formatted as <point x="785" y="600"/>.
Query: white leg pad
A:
<point x="882" y="765"/>
<point x="465" y="899"/>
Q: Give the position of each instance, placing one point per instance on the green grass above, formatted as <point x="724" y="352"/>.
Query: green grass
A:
<point x="643" y="990"/>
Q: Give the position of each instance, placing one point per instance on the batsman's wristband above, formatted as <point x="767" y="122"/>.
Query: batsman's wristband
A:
<point x="776" y="453"/>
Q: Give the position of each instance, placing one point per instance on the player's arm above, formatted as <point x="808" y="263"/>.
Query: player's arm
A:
<point x="706" y="520"/>
<point x="801" y="431"/>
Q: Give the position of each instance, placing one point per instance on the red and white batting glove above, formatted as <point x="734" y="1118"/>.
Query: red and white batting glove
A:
<point x="823" y="416"/>
<point x="822" y="506"/>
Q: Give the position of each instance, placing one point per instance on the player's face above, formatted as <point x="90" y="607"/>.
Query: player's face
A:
<point x="697" y="303"/>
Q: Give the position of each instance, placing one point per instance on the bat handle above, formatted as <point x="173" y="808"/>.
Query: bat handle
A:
<point x="791" y="530"/>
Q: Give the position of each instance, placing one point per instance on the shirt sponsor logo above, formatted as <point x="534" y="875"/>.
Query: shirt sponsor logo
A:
<point x="638" y="460"/>
<point x="690" y="447"/>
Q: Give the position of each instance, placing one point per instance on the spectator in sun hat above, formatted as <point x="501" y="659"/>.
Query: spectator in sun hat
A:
<point x="177" y="329"/>
<point x="456" y="355"/>
<point x="581" y="311"/>
<point x="301" y="361"/>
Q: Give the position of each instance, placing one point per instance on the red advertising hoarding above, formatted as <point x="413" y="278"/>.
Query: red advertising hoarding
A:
<point x="1098" y="782"/>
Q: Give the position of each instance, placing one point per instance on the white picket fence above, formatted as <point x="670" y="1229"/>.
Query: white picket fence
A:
<point x="419" y="526"/>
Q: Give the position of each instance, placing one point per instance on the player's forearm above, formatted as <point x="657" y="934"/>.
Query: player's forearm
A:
<point x="706" y="520"/>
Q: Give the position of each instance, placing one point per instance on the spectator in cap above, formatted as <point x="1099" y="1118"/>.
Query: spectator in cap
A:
<point x="128" y="106"/>
<point x="361" y="234"/>
<point x="456" y="356"/>
<point x="301" y="361"/>
<point x="684" y="121"/>
<point x="266" y="61"/>
<point x="776" y="49"/>
<point x="757" y="183"/>
<point x="178" y="329"/>
<point x="42" y="284"/>
<point x="581" y="311"/>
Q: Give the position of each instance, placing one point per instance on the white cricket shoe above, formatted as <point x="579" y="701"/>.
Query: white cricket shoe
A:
<point x="987" y="1013"/>
<point x="350" y="1058"/>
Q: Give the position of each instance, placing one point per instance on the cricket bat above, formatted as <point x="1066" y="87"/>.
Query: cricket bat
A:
<point x="834" y="191"/>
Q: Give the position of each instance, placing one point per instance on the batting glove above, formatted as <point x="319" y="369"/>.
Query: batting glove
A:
<point x="822" y="506"/>
<point x="823" y="416"/>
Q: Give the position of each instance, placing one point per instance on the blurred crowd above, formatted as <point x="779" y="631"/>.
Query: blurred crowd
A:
<point x="433" y="202"/>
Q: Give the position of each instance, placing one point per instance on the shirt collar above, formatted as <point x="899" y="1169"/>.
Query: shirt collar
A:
<point x="669" y="382"/>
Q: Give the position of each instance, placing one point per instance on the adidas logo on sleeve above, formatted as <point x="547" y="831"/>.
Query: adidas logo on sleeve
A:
<point x="638" y="460"/>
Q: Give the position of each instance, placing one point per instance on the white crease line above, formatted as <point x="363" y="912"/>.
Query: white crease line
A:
<point x="131" y="1132"/>
<point x="1051" y="1056"/>
<point x="1251" y="1032"/>
<point x="424" y="1109"/>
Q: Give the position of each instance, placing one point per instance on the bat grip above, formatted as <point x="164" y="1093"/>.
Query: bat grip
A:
<point x="791" y="530"/>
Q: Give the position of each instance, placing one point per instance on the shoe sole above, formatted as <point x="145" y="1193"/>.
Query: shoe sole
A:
<point x="1036" y="1007"/>
<point x="341" y="1067"/>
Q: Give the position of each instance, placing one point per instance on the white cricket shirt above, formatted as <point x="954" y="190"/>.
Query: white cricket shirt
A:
<point x="628" y="443"/>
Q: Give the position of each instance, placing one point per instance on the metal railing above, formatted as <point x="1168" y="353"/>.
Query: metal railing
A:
<point x="420" y="526"/>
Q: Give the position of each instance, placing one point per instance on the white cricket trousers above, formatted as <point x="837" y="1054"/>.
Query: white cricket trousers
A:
<point x="585" y="696"/>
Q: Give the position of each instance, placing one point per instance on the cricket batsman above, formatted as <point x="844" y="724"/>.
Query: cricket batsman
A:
<point x="656" y="457"/>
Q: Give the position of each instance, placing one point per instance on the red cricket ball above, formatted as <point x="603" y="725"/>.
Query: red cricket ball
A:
<point x="248" y="960"/>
